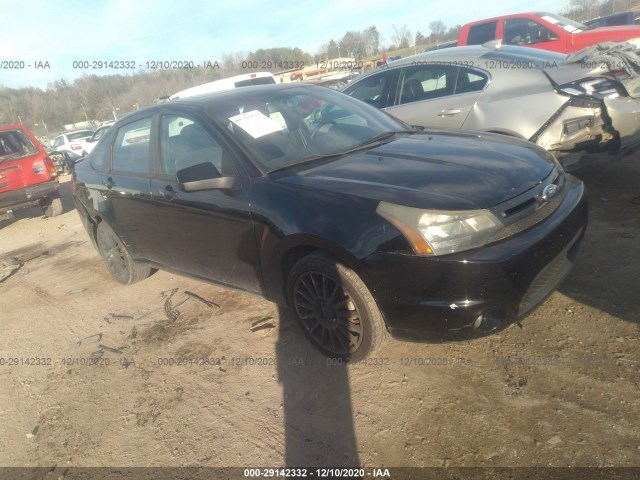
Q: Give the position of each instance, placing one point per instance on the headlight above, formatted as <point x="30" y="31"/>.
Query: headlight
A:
<point x="433" y="232"/>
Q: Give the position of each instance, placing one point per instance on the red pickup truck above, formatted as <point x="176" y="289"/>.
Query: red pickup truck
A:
<point x="544" y="30"/>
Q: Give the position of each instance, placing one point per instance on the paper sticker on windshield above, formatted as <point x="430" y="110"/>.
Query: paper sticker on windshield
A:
<point x="549" y="19"/>
<point x="255" y="123"/>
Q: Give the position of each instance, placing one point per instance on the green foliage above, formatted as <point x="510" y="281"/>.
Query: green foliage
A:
<point x="279" y="55"/>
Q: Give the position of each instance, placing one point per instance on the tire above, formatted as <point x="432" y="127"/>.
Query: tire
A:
<point x="334" y="308"/>
<point x="117" y="258"/>
<point x="53" y="207"/>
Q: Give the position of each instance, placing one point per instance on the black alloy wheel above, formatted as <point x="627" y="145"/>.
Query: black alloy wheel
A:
<point x="117" y="258"/>
<point x="334" y="308"/>
<point x="328" y="313"/>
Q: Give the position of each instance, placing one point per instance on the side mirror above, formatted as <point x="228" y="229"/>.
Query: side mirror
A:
<point x="205" y="176"/>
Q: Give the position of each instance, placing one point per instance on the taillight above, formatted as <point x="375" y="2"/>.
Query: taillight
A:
<point x="50" y="166"/>
<point x="599" y="87"/>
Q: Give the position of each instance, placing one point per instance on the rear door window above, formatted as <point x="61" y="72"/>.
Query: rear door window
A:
<point x="425" y="82"/>
<point x="482" y="33"/>
<point x="131" y="147"/>
<point x="470" y="81"/>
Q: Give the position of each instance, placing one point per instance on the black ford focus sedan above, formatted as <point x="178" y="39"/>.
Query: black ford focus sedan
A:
<point x="360" y="224"/>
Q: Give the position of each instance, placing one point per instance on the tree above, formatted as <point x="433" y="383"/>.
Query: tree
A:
<point x="420" y="39"/>
<point x="401" y="36"/>
<point x="332" y="49"/>
<point x="352" y="45"/>
<point x="438" y="30"/>
<point x="453" y="33"/>
<point x="371" y="38"/>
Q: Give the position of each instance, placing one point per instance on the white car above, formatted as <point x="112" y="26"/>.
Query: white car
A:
<point x="70" y="144"/>
<point x="244" y="80"/>
<point x="89" y="143"/>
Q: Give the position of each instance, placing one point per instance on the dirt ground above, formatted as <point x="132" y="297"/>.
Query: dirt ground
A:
<point x="175" y="372"/>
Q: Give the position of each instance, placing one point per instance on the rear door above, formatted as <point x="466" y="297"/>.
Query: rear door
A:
<point x="434" y="95"/>
<point x="126" y="190"/>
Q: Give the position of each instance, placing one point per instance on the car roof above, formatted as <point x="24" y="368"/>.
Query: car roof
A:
<point x="210" y="99"/>
<point x="471" y="56"/>
<point x="13" y="127"/>
<point x="504" y="17"/>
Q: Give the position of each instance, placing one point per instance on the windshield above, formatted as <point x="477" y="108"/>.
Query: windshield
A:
<point x="563" y="22"/>
<point x="79" y="134"/>
<point x="285" y="126"/>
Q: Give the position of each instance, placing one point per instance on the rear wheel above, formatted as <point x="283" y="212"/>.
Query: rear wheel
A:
<point x="53" y="207"/>
<point x="334" y="308"/>
<point x="117" y="258"/>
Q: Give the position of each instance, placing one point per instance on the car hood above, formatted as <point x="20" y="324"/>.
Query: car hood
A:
<point x="435" y="169"/>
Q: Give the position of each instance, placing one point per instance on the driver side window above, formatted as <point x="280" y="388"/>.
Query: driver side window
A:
<point x="373" y="90"/>
<point x="523" y="31"/>
<point x="185" y="144"/>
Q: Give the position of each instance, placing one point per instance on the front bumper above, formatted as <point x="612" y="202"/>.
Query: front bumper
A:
<point x="442" y="297"/>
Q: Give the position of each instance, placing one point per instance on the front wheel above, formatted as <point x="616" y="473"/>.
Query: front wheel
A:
<point x="334" y="308"/>
<point x="118" y="259"/>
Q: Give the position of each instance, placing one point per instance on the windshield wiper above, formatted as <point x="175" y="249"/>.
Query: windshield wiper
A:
<point x="359" y="146"/>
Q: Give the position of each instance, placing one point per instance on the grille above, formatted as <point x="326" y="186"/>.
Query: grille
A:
<point x="529" y="209"/>
<point x="530" y="220"/>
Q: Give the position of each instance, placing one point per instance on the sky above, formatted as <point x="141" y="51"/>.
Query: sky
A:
<point x="40" y="41"/>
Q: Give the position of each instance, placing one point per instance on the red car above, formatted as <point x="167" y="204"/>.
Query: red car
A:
<point x="27" y="175"/>
<point x="544" y="30"/>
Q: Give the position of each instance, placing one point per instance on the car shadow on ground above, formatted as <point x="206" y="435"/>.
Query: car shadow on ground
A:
<point x="20" y="214"/>
<point x="605" y="274"/>
<point x="318" y="412"/>
<point x="66" y="194"/>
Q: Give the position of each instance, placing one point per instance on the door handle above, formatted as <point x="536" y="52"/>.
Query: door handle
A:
<point x="108" y="183"/>
<point x="449" y="112"/>
<point x="168" y="192"/>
